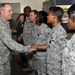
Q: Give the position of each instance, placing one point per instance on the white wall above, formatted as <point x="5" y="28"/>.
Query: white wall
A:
<point x="35" y="4"/>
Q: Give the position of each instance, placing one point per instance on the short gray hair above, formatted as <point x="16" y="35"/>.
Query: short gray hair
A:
<point x="2" y="5"/>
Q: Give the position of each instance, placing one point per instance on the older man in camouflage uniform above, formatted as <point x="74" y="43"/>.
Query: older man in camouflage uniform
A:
<point x="6" y="42"/>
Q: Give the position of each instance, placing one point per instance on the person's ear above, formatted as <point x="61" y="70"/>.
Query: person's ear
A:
<point x="2" y="12"/>
<point x="54" y="17"/>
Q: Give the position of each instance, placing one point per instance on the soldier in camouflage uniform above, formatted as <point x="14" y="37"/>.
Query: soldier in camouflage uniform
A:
<point x="30" y="33"/>
<point x="69" y="52"/>
<point x="43" y="34"/>
<point x="6" y="42"/>
<point x="57" y="42"/>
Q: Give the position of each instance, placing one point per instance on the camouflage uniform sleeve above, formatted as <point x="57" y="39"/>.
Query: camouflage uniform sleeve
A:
<point x="61" y="40"/>
<point x="69" y="58"/>
<point x="10" y="43"/>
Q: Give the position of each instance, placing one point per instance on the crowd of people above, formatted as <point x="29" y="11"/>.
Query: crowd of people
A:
<point x="42" y="48"/>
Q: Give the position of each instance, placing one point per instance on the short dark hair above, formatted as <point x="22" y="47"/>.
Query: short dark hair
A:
<point x="71" y="12"/>
<point x="27" y="10"/>
<point x="57" y="11"/>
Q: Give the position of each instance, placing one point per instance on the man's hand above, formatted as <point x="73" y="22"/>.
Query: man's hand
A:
<point x="32" y="48"/>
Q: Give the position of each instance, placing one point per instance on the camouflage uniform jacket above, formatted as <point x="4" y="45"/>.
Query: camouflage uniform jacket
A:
<point x="54" y="51"/>
<point x="43" y="34"/>
<point x="7" y="43"/>
<point x="69" y="58"/>
<point x="29" y="33"/>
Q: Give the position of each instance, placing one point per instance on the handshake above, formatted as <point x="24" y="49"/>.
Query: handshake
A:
<point x="43" y="47"/>
<point x="32" y="48"/>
